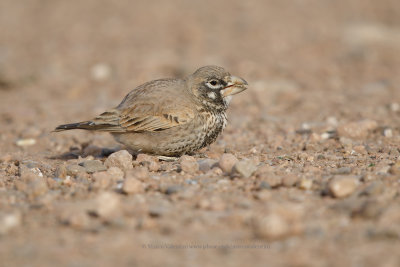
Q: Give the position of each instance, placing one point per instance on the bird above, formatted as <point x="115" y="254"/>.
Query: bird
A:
<point x="170" y="117"/>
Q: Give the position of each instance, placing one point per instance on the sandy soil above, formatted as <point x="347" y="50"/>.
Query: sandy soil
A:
<point x="306" y="173"/>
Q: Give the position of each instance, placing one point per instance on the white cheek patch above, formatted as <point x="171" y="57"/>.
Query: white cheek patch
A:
<point x="212" y="95"/>
<point x="228" y="99"/>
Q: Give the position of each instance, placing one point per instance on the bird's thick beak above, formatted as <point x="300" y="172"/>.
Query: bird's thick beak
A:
<point x="235" y="86"/>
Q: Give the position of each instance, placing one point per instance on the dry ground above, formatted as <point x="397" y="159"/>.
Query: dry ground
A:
<point x="317" y="134"/>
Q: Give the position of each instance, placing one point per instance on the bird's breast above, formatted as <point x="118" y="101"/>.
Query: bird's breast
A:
<point x="213" y="124"/>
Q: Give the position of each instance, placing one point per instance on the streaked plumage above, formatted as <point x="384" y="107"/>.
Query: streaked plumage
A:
<point x="170" y="117"/>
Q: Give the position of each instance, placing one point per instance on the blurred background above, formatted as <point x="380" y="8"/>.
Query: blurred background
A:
<point x="61" y="55"/>
<point x="311" y="65"/>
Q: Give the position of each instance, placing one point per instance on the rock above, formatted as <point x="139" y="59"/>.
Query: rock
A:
<point x="384" y="170"/>
<point x="388" y="133"/>
<point x="206" y="164"/>
<point x="271" y="226"/>
<point x="106" y="205"/>
<point x="360" y="149"/>
<point x="305" y="183"/>
<point x="140" y="173"/>
<point x="159" y="208"/>
<point x="357" y="130"/>
<point x="244" y="169"/>
<point x="273" y="180"/>
<point x="278" y="222"/>
<point x="132" y="186"/>
<point x="37" y="188"/>
<point x="92" y="166"/>
<point x="100" y="72"/>
<point x="21" y="186"/>
<point x="214" y="203"/>
<point x="289" y="180"/>
<point x="370" y="209"/>
<point x="9" y="221"/>
<point x="26" y="142"/>
<point x="343" y="186"/>
<point x="61" y="172"/>
<point x="75" y="169"/>
<point x="188" y="164"/>
<point x="173" y="189"/>
<point x="226" y="162"/>
<point x="376" y="188"/>
<point x="26" y="171"/>
<point x="102" y="180"/>
<point x="152" y="163"/>
<point x="264" y="185"/>
<point x="342" y="170"/>
<point x="395" y="168"/>
<point x="121" y="159"/>
<point x="73" y="215"/>
<point x="115" y="173"/>
<point x="143" y="158"/>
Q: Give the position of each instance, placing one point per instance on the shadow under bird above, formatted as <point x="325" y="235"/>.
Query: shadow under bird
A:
<point x="170" y="117"/>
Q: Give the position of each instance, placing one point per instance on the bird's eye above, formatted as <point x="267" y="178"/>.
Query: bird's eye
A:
<point x="213" y="84"/>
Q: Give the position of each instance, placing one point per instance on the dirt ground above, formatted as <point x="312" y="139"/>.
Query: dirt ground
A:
<point x="306" y="174"/>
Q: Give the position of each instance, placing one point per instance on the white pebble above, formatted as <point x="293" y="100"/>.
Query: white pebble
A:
<point x="100" y="72"/>
<point x="26" y="142"/>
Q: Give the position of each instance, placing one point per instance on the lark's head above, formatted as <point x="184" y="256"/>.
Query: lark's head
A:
<point x="214" y="86"/>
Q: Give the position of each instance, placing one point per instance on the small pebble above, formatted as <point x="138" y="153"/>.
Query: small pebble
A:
<point x="279" y="222"/>
<point x="305" y="183"/>
<point x="152" y="163"/>
<point x="357" y="130"/>
<point x="226" y="162"/>
<point x="395" y="107"/>
<point x="342" y="170"/>
<point x="37" y="188"/>
<point x="244" y="169"/>
<point x="102" y="180"/>
<point x="343" y="186"/>
<point x="289" y="180"/>
<point x="100" y="72"/>
<point x="273" y="180"/>
<point x="395" y="168"/>
<point x="388" y="133"/>
<point x="173" y="189"/>
<point x="9" y="221"/>
<point x="376" y="188"/>
<point x="26" y="142"/>
<point x="370" y="209"/>
<point x="140" y="173"/>
<point x="271" y="226"/>
<point x="132" y="186"/>
<point x="92" y="166"/>
<point x="360" y="149"/>
<point x="73" y="215"/>
<point x="121" y="159"/>
<point x="188" y="164"/>
<point x="61" y="171"/>
<point x="115" y="173"/>
<point x="106" y="205"/>
<point x="75" y="169"/>
<point x="264" y="185"/>
<point x="206" y="164"/>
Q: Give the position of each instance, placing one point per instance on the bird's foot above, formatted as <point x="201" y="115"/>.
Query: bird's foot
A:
<point x="166" y="158"/>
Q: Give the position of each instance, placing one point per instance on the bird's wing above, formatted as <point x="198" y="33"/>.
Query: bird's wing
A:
<point x="134" y="121"/>
<point x="152" y="107"/>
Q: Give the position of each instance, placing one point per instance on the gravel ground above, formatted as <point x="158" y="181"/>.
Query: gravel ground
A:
<point x="306" y="174"/>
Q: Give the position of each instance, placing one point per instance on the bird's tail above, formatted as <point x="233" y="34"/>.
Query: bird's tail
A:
<point x="107" y="121"/>
<point x="84" y="125"/>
